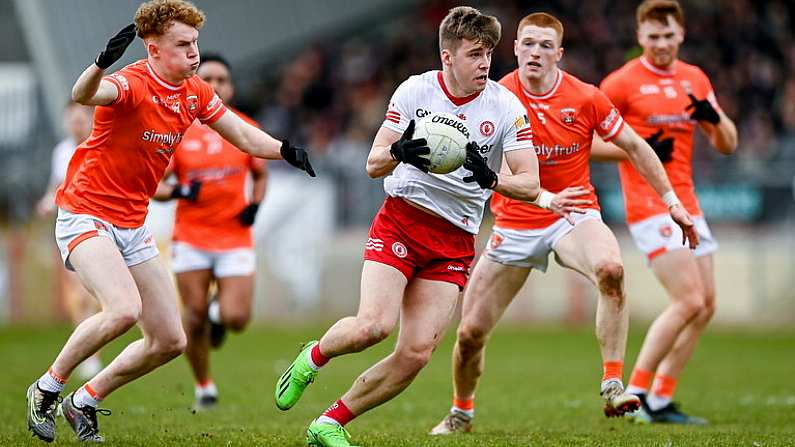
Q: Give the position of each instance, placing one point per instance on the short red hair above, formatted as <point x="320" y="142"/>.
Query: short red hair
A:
<point x="542" y="20"/>
<point x="659" y="10"/>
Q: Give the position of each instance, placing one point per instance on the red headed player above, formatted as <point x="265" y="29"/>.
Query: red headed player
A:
<point x="421" y="242"/>
<point x="565" y="114"/>
<point x="79" y="303"/>
<point x="665" y="99"/>
<point x="212" y="232"/>
<point x="143" y="111"/>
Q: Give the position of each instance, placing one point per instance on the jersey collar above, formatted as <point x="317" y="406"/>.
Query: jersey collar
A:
<point x="658" y="71"/>
<point x="459" y="101"/>
<point x="160" y="80"/>
<point x="549" y="93"/>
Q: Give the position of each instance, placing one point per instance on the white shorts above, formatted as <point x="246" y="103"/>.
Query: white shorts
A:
<point x="660" y="234"/>
<point x="224" y="263"/>
<point x="531" y="248"/>
<point x="136" y="245"/>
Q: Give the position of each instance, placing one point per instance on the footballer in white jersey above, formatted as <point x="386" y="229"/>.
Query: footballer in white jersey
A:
<point x="497" y="123"/>
<point x="421" y="243"/>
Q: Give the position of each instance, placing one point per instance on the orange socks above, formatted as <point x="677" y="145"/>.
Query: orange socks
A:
<point x="464" y="406"/>
<point x="662" y="392"/>
<point x="613" y="370"/>
<point x="640" y="381"/>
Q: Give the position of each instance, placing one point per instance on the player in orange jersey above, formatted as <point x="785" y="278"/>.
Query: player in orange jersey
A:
<point x="665" y="99"/>
<point x="141" y="115"/>
<point x="212" y="232"/>
<point x="79" y="303"/>
<point x="565" y="114"/>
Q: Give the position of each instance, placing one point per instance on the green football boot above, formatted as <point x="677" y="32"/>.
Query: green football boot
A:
<point x="41" y="412"/>
<point x="296" y="378"/>
<point x="327" y="435"/>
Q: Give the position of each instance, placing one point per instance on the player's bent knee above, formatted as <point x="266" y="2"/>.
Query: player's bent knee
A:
<point x="372" y="332"/>
<point x="236" y="321"/>
<point x="706" y="312"/>
<point x="170" y="345"/>
<point x="411" y="361"/>
<point x="610" y="278"/>
<point x="123" y="318"/>
<point x="471" y="337"/>
<point x="690" y="305"/>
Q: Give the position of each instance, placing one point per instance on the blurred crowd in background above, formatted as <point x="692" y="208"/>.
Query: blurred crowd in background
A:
<point x="332" y="96"/>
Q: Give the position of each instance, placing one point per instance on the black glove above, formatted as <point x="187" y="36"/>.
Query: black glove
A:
<point x="481" y="172"/>
<point x="411" y="151"/>
<point x="187" y="192"/>
<point x="663" y="148"/>
<point x="702" y="110"/>
<point x="248" y="214"/>
<point x="296" y="157"/>
<point x="115" y="47"/>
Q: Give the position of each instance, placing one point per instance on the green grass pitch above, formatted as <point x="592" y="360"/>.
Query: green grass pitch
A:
<point x="540" y="389"/>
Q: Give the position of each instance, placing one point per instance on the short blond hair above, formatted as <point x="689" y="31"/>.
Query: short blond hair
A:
<point x="155" y="17"/>
<point x="468" y="23"/>
<point x="542" y="20"/>
<point x="659" y="10"/>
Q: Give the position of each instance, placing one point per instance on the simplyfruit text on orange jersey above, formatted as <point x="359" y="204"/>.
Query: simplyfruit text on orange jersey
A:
<point x="212" y="222"/>
<point x="652" y="99"/>
<point x="114" y="172"/>
<point x="563" y="121"/>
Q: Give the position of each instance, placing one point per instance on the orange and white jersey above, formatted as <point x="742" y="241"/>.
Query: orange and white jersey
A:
<point x="114" y="172"/>
<point x="564" y="120"/>
<point x="653" y="99"/>
<point x="212" y="223"/>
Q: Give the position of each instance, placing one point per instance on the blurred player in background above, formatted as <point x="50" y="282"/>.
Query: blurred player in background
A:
<point x="212" y="232"/>
<point x="78" y="302"/>
<point x="421" y="242"/>
<point x="565" y="114"/>
<point x="665" y="99"/>
<point x="143" y="111"/>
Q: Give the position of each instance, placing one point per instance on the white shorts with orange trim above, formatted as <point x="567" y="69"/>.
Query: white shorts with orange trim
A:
<point x="224" y="263"/>
<point x="136" y="245"/>
<point x="531" y="248"/>
<point x="660" y="234"/>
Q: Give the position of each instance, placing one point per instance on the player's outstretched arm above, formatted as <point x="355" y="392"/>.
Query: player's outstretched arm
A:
<point x="259" y="144"/>
<point x="90" y="89"/>
<point x="604" y="151"/>
<point x="650" y="167"/>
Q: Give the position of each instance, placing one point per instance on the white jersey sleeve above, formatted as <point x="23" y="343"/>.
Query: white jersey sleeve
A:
<point x="401" y="105"/>
<point x="517" y="132"/>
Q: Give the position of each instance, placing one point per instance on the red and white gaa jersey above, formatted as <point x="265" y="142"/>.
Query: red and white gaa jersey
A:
<point x="497" y="122"/>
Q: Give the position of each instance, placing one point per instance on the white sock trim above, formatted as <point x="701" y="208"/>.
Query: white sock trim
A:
<point x="48" y="383"/>
<point x="326" y="420"/>
<point x="657" y="402"/>
<point x="214" y="312"/>
<point x="310" y="362"/>
<point x="81" y="398"/>
<point x="468" y="413"/>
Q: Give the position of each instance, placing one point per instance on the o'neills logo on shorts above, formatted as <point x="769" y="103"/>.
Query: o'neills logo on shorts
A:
<point x="457" y="125"/>
<point x="456" y="268"/>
